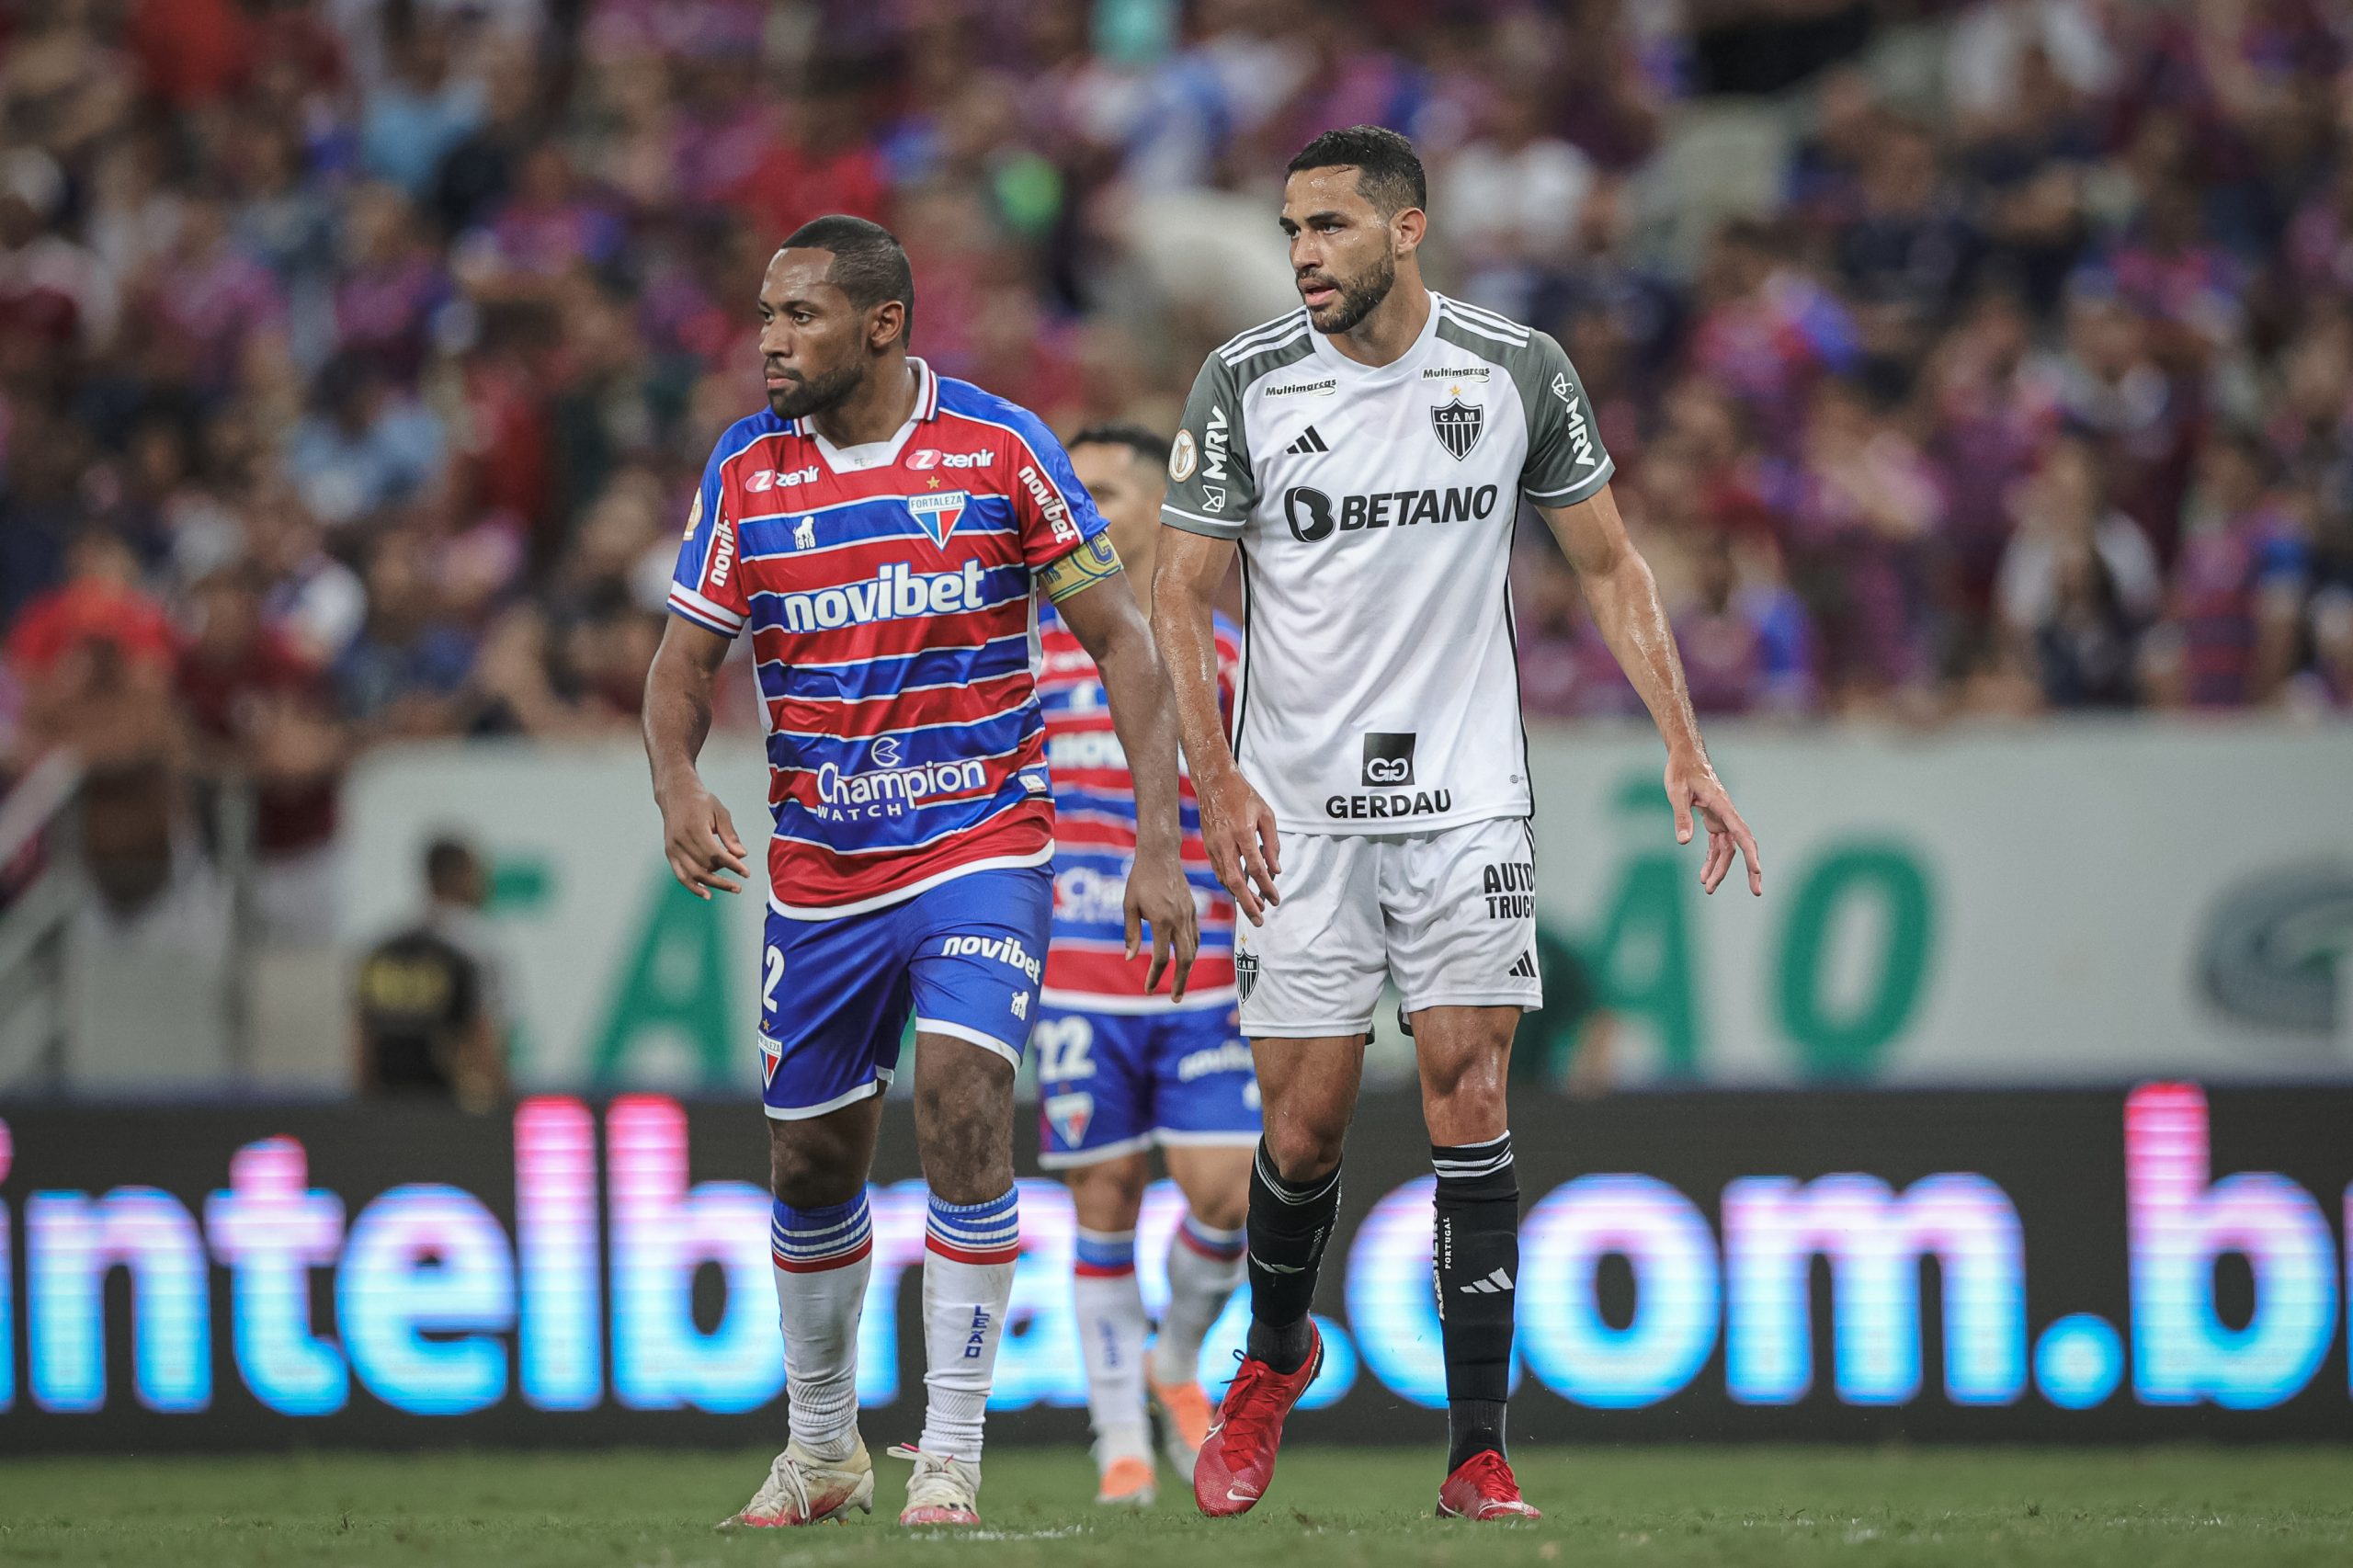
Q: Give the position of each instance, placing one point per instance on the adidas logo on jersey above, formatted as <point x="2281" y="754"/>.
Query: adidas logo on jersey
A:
<point x="1493" y="1285"/>
<point x="1308" y="442"/>
<point x="1525" y="969"/>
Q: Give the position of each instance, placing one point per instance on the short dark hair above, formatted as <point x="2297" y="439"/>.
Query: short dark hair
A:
<point x="446" y="859"/>
<point x="1146" y="443"/>
<point x="1389" y="172"/>
<point x="869" y="265"/>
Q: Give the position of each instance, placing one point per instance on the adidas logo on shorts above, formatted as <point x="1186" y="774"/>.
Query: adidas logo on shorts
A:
<point x="1526" y="968"/>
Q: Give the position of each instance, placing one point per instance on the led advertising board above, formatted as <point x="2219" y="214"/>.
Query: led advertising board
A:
<point x="2044" y="1265"/>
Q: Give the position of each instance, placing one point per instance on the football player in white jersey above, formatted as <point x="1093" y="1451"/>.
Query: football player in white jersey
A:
<point x="1369" y="455"/>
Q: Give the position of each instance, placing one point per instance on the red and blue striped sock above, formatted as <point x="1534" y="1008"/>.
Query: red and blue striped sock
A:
<point x="822" y="1257"/>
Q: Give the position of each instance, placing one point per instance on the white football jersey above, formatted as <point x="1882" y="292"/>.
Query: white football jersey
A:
<point x="1379" y="686"/>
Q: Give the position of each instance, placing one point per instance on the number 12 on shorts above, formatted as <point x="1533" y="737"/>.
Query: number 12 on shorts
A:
<point x="1062" y="1046"/>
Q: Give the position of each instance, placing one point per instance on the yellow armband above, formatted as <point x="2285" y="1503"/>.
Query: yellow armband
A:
<point x="1081" y="569"/>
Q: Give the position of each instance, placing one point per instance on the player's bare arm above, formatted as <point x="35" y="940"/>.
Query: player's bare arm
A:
<point x="1624" y="599"/>
<point x="698" y="835"/>
<point x="1237" y="826"/>
<point x="1112" y="630"/>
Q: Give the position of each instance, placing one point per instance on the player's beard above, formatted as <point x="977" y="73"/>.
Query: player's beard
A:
<point x="1357" y="299"/>
<point x="801" y="399"/>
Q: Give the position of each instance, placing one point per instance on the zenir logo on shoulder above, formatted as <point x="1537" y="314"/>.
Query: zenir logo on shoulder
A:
<point x="1387" y="760"/>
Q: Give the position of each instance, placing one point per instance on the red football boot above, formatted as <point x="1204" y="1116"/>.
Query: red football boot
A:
<point x="1237" y="1457"/>
<point x="1483" y="1487"/>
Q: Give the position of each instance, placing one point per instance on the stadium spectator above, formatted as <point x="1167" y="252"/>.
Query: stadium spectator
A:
<point x="1746" y="640"/>
<point x="413" y="322"/>
<point x="2239" y="582"/>
<point x="262" y="714"/>
<point x="2063" y="517"/>
<point x="428" y="1006"/>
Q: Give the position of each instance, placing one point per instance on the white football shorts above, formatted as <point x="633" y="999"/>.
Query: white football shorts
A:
<point x="1449" y="914"/>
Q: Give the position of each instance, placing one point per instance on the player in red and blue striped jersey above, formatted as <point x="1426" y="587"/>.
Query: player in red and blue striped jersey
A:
<point x="1121" y="1069"/>
<point x="881" y="532"/>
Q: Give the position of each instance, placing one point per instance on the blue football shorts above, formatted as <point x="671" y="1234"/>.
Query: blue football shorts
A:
<point x="1112" y="1083"/>
<point x="964" y="958"/>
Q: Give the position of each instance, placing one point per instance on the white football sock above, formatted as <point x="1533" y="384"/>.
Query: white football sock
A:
<point x="1110" y="1336"/>
<point x="822" y="1257"/>
<point x="969" y="1250"/>
<point x="1204" y="1267"/>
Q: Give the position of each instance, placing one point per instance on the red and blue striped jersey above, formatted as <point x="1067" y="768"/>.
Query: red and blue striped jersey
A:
<point x="888" y="592"/>
<point x="1095" y="840"/>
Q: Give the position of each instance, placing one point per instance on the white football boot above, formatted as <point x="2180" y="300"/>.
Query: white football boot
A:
<point x="802" y="1489"/>
<point x="942" y="1491"/>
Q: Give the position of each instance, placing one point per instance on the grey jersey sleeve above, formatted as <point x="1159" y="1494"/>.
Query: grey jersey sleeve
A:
<point x="1566" y="462"/>
<point x="1210" y="487"/>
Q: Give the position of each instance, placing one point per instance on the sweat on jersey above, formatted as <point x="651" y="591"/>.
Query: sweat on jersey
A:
<point x="1380" y="688"/>
<point x="888" y="590"/>
<point x="1087" y="967"/>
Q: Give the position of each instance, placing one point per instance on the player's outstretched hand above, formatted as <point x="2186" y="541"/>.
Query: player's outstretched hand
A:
<point x="699" y="837"/>
<point x="1692" y="785"/>
<point x="1238" y="831"/>
<point x="1159" y="896"/>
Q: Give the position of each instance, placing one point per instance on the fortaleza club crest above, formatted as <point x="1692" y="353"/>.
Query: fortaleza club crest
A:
<point x="938" y="512"/>
<point x="1458" y="425"/>
<point x="1070" y="1115"/>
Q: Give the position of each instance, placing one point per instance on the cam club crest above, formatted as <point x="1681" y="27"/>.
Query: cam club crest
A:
<point x="1245" y="973"/>
<point x="938" y="512"/>
<point x="1458" y="425"/>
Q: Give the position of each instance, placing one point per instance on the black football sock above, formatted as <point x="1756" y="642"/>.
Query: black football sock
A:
<point x="1475" y="1257"/>
<point x="1289" y="1224"/>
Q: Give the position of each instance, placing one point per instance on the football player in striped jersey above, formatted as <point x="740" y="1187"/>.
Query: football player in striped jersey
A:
<point x="880" y="532"/>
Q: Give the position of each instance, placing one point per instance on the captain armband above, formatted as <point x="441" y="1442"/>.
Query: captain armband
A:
<point x="1081" y="569"/>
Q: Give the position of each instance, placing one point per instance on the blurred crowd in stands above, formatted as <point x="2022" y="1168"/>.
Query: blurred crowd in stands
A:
<point x="358" y="358"/>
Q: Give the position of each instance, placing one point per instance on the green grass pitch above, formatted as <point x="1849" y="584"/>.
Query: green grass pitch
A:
<point x="2148" y="1509"/>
